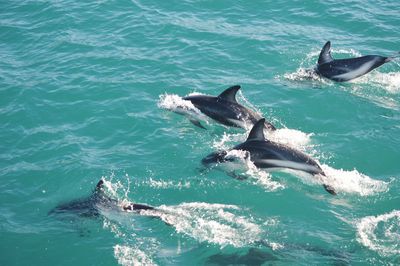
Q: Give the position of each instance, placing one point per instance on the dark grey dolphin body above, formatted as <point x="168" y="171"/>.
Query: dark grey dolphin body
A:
<point x="347" y="69"/>
<point x="270" y="155"/>
<point x="225" y="109"/>
<point x="90" y="206"/>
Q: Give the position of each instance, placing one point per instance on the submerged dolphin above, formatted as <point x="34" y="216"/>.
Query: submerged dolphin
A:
<point x="270" y="155"/>
<point x="90" y="206"/>
<point x="347" y="69"/>
<point x="225" y="109"/>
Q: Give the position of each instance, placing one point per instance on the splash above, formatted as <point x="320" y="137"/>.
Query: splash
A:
<point x="162" y="184"/>
<point x="381" y="233"/>
<point x="212" y="223"/>
<point x="177" y="104"/>
<point x="306" y="74"/>
<point x="352" y="182"/>
<point x="388" y="82"/>
<point x="114" y="189"/>
<point x="291" y="137"/>
<point x="219" y="224"/>
<point x="228" y="140"/>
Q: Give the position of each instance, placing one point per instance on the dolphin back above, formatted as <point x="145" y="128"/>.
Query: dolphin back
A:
<point x="86" y="206"/>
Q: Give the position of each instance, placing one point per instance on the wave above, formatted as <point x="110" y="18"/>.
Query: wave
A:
<point x="380" y="233"/>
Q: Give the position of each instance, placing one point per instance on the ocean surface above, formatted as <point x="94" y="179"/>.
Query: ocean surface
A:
<point x="89" y="91"/>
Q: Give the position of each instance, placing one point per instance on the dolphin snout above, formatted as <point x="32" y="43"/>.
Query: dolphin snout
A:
<point x="213" y="158"/>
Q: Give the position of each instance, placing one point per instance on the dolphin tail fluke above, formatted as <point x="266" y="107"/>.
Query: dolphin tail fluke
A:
<point x="330" y="189"/>
<point x="197" y="123"/>
<point x="390" y="58"/>
<point x="237" y="176"/>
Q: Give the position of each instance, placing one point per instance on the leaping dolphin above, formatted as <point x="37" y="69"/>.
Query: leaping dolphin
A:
<point x="270" y="155"/>
<point x="347" y="69"/>
<point x="90" y="206"/>
<point x="225" y="109"/>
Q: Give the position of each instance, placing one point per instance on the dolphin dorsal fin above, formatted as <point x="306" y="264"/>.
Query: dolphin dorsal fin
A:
<point x="325" y="55"/>
<point x="230" y="94"/>
<point x="99" y="187"/>
<point x="257" y="132"/>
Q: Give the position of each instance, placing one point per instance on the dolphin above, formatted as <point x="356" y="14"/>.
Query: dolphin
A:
<point x="270" y="155"/>
<point x="90" y="206"/>
<point x="347" y="69"/>
<point x="225" y="109"/>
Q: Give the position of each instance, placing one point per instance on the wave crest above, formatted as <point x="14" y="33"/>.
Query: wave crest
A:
<point x="381" y="233"/>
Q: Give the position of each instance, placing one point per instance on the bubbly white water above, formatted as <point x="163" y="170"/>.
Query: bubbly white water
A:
<point x="213" y="223"/>
<point x="380" y="233"/>
<point x="218" y="224"/>
<point x="131" y="255"/>
<point x="177" y="104"/>
<point x="352" y="182"/>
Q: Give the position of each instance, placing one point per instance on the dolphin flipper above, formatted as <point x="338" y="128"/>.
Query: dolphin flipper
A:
<point x="330" y="189"/>
<point x="197" y="123"/>
<point x="390" y="58"/>
<point x="237" y="176"/>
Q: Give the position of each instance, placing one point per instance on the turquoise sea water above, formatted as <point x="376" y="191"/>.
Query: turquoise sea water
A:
<point x="86" y="92"/>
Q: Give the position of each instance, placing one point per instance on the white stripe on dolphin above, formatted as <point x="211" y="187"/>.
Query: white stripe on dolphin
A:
<point x="270" y="155"/>
<point x="347" y="69"/>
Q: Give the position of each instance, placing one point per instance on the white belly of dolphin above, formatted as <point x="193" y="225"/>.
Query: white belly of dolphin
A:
<point x="364" y="68"/>
<point x="291" y="165"/>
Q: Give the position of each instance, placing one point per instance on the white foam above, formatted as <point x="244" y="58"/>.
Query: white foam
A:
<point x="389" y="82"/>
<point x="116" y="188"/>
<point x="291" y="137"/>
<point x="127" y="255"/>
<point x="168" y="184"/>
<point x="380" y="233"/>
<point x="305" y="74"/>
<point x="213" y="223"/>
<point x="228" y="140"/>
<point x="352" y="182"/>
